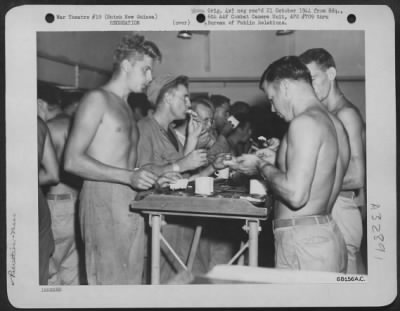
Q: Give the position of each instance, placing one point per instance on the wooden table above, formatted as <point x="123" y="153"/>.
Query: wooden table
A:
<point x="224" y="203"/>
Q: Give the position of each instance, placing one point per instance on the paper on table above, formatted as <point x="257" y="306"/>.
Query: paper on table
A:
<point x="179" y="184"/>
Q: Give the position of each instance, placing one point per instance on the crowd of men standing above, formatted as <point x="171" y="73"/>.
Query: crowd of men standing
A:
<point x="95" y="163"/>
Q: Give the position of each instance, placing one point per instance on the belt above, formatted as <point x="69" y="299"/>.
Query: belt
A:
<point x="301" y="221"/>
<point x="347" y="194"/>
<point x="60" y="197"/>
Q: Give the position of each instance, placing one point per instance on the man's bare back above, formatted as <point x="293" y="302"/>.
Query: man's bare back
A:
<point x="312" y="142"/>
<point x="353" y="123"/>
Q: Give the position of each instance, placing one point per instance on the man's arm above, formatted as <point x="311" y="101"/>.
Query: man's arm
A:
<point x="49" y="167"/>
<point x="294" y="185"/>
<point x="87" y="120"/>
<point x="355" y="174"/>
<point x="193" y="160"/>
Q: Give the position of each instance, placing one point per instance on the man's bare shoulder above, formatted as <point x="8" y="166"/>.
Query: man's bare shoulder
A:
<point x="349" y="114"/>
<point x="95" y="99"/>
<point x="310" y="119"/>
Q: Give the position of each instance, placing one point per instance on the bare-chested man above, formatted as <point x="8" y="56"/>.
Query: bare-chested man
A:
<point x="308" y="173"/>
<point x="61" y="198"/>
<point x="102" y="150"/>
<point x="48" y="174"/>
<point x="346" y="211"/>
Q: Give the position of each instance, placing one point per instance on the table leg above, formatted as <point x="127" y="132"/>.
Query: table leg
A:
<point x="253" y="243"/>
<point x="155" y="248"/>
<point x="193" y="249"/>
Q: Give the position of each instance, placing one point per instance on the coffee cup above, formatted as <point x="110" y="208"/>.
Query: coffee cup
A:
<point x="257" y="187"/>
<point x="204" y="185"/>
<point x="223" y="174"/>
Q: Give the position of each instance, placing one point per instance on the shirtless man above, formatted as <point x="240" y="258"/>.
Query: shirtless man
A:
<point x="307" y="178"/>
<point x="102" y="150"/>
<point x="346" y="211"/>
<point x="47" y="175"/>
<point x="61" y="198"/>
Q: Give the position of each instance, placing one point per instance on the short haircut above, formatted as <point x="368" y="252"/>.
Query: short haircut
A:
<point x="203" y="101"/>
<point x="173" y="85"/>
<point x="49" y="93"/>
<point x="288" y="67"/>
<point x="219" y="100"/>
<point x="135" y="46"/>
<point x="320" y="56"/>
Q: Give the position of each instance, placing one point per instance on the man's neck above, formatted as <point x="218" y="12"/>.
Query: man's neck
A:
<point x="117" y="87"/>
<point x="334" y="101"/>
<point x="163" y="118"/>
<point x="303" y="101"/>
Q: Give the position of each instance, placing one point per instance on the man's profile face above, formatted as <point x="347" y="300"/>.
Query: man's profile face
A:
<point x="205" y="115"/>
<point x="320" y="81"/>
<point x="140" y="73"/>
<point x="221" y="115"/>
<point x="179" y="101"/>
<point x="274" y="94"/>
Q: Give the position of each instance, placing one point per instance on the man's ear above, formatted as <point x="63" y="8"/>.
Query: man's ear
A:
<point x="331" y="72"/>
<point x="167" y="97"/>
<point x="284" y="87"/>
<point x="125" y="65"/>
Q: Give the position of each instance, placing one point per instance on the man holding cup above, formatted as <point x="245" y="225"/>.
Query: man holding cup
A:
<point x="308" y="174"/>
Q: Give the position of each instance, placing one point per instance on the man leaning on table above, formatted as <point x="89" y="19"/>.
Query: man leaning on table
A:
<point x="310" y="165"/>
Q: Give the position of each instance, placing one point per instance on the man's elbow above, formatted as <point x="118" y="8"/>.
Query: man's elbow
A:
<point x="354" y="182"/>
<point x="70" y="164"/>
<point x="298" y="199"/>
<point x="359" y="180"/>
<point x="54" y="179"/>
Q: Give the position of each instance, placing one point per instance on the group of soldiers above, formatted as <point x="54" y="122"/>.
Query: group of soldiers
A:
<point x="316" y="173"/>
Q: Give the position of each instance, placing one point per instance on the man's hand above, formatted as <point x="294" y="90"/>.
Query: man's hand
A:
<point x="227" y="129"/>
<point x="168" y="178"/>
<point x="142" y="179"/>
<point x="206" y="140"/>
<point x="195" y="159"/>
<point x="218" y="162"/>
<point x="248" y="164"/>
<point x="273" y="143"/>
<point x="267" y="155"/>
<point x="194" y="126"/>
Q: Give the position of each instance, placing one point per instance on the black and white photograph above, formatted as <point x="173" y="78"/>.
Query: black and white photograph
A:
<point x="201" y="161"/>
